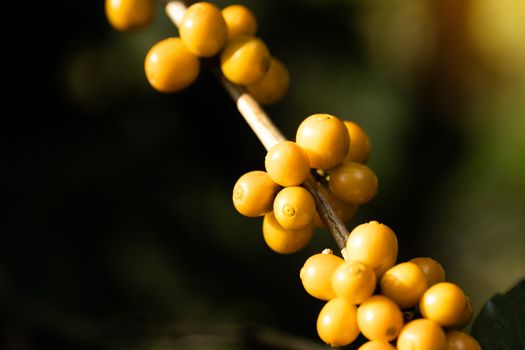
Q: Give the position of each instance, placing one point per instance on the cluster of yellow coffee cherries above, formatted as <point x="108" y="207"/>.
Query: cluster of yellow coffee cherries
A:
<point x="206" y="31"/>
<point x="408" y="303"/>
<point x="333" y="151"/>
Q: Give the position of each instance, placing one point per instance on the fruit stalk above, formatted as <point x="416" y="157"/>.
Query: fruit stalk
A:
<point x="269" y="135"/>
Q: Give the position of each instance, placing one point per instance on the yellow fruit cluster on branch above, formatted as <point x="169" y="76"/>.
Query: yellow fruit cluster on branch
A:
<point x="405" y="305"/>
<point x="323" y="147"/>
<point x="206" y="31"/>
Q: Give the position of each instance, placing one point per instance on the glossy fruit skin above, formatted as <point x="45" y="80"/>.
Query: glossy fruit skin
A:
<point x="287" y="164"/>
<point x="376" y="345"/>
<point x="379" y="318"/>
<point x="466" y="316"/>
<point x="354" y="183"/>
<point x="245" y="60"/>
<point x="421" y="334"/>
<point x="254" y="193"/>
<point x="170" y="67"/>
<point x="325" y="139"/>
<point x="359" y="143"/>
<point x="316" y="275"/>
<point x="374" y="244"/>
<point x="456" y="340"/>
<point x="203" y="29"/>
<point x="130" y="15"/>
<point x="343" y="210"/>
<point x="240" y="20"/>
<point x="443" y="303"/>
<point x="273" y="86"/>
<point x="284" y="241"/>
<point x="354" y="281"/>
<point x="432" y="269"/>
<point x="337" y="323"/>
<point x="404" y="283"/>
<point x="294" y="208"/>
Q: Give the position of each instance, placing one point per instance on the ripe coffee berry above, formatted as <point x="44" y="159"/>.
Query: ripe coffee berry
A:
<point x="421" y="334"/>
<point x="433" y="270"/>
<point x="404" y="283"/>
<point x="203" y="29"/>
<point x="130" y="15"/>
<point x="379" y="318"/>
<point x="239" y="21"/>
<point x="359" y="143"/>
<point x="374" y="244"/>
<point x="254" y="193"/>
<point x="316" y="274"/>
<point x="284" y="241"/>
<point x="443" y="303"/>
<point x="354" y="281"/>
<point x="273" y="86"/>
<point x="456" y="340"/>
<point x="352" y="182"/>
<point x="325" y="139"/>
<point x="466" y="316"/>
<point x="376" y="345"/>
<point x="294" y="208"/>
<point x="170" y="67"/>
<point x="287" y="164"/>
<point x="245" y="60"/>
<point x="337" y="322"/>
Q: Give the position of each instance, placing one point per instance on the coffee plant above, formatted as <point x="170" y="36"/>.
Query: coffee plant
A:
<point x="371" y="300"/>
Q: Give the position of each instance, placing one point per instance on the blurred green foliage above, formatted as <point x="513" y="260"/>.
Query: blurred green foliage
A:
<point x="119" y="197"/>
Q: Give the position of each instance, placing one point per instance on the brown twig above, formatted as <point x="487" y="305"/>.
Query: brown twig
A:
<point x="269" y="135"/>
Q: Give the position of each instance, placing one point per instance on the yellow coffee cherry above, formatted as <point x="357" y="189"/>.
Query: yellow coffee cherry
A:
<point x="359" y="143"/>
<point x="325" y="139"/>
<point x="170" y="67"/>
<point x="240" y="20"/>
<point x="130" y="15"/>
<point x="294" y="208"/>
<point x="245" y="60"/>
<point x="337" y="323"/>
<point x="404" y="283"/>
<point x="374" y="244"/>
<point x="354" y="281"/>
<point x="353" y="183"/>
<point x="273" y="86"/>
<point x="443" y="303"/>
<point x="254" y="193"/>
<point x="203" y="29"/>
<point x="421" y="334"/>
<point x="379" y="318"/>
<point x="284" y="241"/>
<point x="316" y="274"/>
<point x="466" y="316"/>
<point x="344" y="211"/>
<point x="432" y="269"/>
<point x="287" y="164"/>
<point x="376" y="345"/>
<point x="456" y="340"/>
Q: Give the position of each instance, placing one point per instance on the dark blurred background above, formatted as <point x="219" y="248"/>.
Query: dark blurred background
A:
<point x="119" y="231"/>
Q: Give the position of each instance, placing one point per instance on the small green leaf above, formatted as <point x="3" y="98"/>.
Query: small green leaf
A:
<point x="501" y="322"/>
